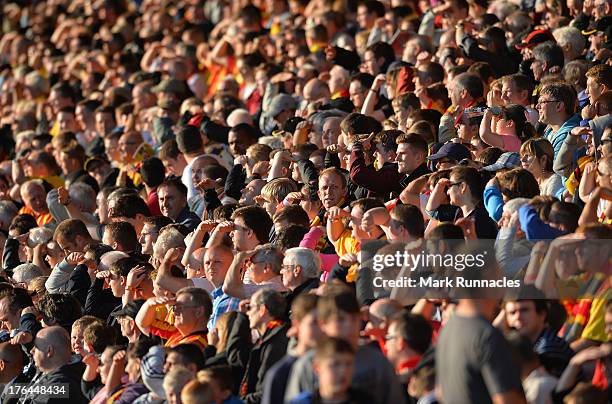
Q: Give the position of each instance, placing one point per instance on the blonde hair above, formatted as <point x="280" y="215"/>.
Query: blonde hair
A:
<point x="277" y="189"/>
<point x="197" y="392"/>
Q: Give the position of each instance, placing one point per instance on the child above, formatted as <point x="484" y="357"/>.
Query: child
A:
<point x="220" y="379"/>
<point x="333" y="364"/>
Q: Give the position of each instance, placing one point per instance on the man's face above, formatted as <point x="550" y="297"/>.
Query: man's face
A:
<point x="308" y="330"/>
<point x="216" y="264"/>
<point x="126" y="324"/>
<point x="407" y="158"/>
<point x="511" y="95"/>
<point x="371" y="63"/>
<point x="67" y="122"/>
<point x="116" y="284"/>
<point x="356" y="216"/>
<point x="173" y="359"/>
<point x="454" y="191"/>
<point x="255" y="314"/>
<point x="186" y="315"/>
<point x="547" y="108"/>
<point x="601" y="8"/>
<point x="128" y="144"/>
<point x="357" y="94"/>
<point x="288" y="271"/>
<point x="241" y="236"/>
<point x="593" y="89"/>
<point x="331" y="190"/>
<point x="538" y="69"/>
<point x="331" y="131"/>
<point x="67" y="246"/>
<point x="454" y="93"/>
<point x="606" y="143"/>
<point x="8" y="320"/>
<point x="39" y="352"/>
<point x="34" y="196"/>
<point x="364" y="19"/>
<point x="342" y="325"/>
<point x="522" y="316"/>
<point x="237" y="143"/>
<point x="251" y="191"/>
<point x="58" y="102"/>
<point x="171" y="201"/>
<point x="147" y="238"/>
<point x="142" y="99"/>
<point x="105" y="123"/>
<point x="175" y="166"/>
<point x="106" y="361"/>
<point x="392" y="344"/>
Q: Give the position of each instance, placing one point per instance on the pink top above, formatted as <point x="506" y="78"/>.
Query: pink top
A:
<point x="511" y="143"/>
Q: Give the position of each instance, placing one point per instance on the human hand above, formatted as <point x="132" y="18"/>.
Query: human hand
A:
<point x="62" y="196"/>
<point x="136" y="276"/>
<point x="225" y="227"/>
<point x="261" y="168"/>
<point x="348" y="259"/>
<point x="336" y="213"/>
<point x="91" y="360"/>
<point x="241" y="160"/>
<point x="75" y="258"/>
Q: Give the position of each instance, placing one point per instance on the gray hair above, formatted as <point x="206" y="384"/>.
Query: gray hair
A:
<point x="168" y="238"/>
<point x="177" y="378"/>
<point x="307" y="259"/>
<point x="24" y="273"/>
<point x="83" y="196"/>
<point x="513" y="205"/>
<point x="570" y="36"/>
<point x="269" y="254"/>
<point x="318" y="118"/>
<point x="274" y="142"/>
<point x="8" y="211"/>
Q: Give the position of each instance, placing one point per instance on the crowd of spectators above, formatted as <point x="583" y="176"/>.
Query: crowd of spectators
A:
<point x="190" y="193"/>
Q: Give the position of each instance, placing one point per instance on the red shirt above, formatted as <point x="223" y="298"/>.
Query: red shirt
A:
<point x="153" y="203"/>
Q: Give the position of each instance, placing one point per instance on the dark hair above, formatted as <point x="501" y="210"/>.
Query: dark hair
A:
<point x="518" y="183"/>
<point x="565" y="213"/>
<point x="483" y="70"/>
<point x="549" y="53"/>
<point x="99" y="336"/>
<point x="59" y="309"/>
<point x="374" y="6"/>
<point x="123" y="233"/>
<point x="410" y="217"/>
<point x="388" y="139"/>
<point x="222" y="375"/>
<point x="446" y="231"/>
<point x="98" y="250"/>
<point x="382" y="50"/>
<point x="169" y="150"/>
<point x="365" y="79"/>
<point x="257" y="219"/>
<point x="188" y="140"/>
<point x="70" y="229"/>
<point x="245" y="129"/>
<point x="434" y="70"/>
<point x="191" y="354"/>
<point x="152" y="171"/>
<point x="413" y="329"/>
<point x="415" y="141"/>
<point x="123" y="266"/>
<point x="293" y="214"/>
<point x="159" y="222"/>
<point x="562" y="92"/>
<point x="129" y="206"/>
<point x="291" y="236"/>
<point x="472" y="178"/>
<point x="338" y="298"/>
<point x="273" y="301"/>
<point x="330" y="346"/>
<point x="176" y="183"/>
<point x="367" y="203"/>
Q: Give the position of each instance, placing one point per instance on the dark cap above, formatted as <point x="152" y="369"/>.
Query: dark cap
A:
<point x="130" y="309"/>
<point x="93" y="161"/>
<point x="535" y="38"/>
<point x="171" y="86"/>
<point x="455" y="151"/>
<point x="343" y="104"/>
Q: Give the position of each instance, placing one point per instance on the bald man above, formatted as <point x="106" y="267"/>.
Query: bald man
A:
<point x="379" y="316"/>
<point x="51" y="355"/>
<point x="316" y="90"/>
<point x="11" y="366"/>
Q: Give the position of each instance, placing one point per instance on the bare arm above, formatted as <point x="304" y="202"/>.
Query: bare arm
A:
<point x="486" y="134"/>
<point x="335" y="224"/>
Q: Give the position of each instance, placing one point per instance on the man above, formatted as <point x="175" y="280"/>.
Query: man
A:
<point x="34" y="196"/>
<point x="547" y="59"/>
<point x="52" y="356"/>
<point x="240" y="137"/>
<point x="407" y="340"/>
<point x="121" y="236"/>
<point x="465" y="91"/>
<point x="265" y="313"/>
<point x="40" y="164"/>
<point x="11" y="375"/>
<point x="192" y="308"/>
<point x="150" y="231"/>
<point x="70" y="275"/>
<point x="404" y="223"/>
<point x="556" y="108"/>
<point x="132" y="209"/>
<point x="599" y="80"/>
<point x="300" y="272"/>
<point x="12" y="302"/>
<point x="281" y="108"/>
<point x="191" y="145"/>
<point x="263" y="266"/>
<point x="473" y="361"/>
<point x="174" y="161"/>
<point x="172" y="195"/>
<point x="250" y="228"/>
<point x="411" y="157"/>
<point x="529" y="317"/>
<point x="126" y="317"/>
<point x="517" y="89"/>
<point x="384" y="180"/>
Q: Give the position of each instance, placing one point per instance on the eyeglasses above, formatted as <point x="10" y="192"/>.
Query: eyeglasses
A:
<point x="547" y="101"/>
<point x="177" y="308"/>
<point x="526" y="159"/>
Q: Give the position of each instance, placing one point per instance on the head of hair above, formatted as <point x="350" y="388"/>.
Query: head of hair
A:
<point x="129" y="206"/>
<point x="382" y="50"/>
<point x="273" y="301"/>
<point x="189" y="141"/>
<point x="221" y="374"/>
<point x="257" y="219"/>
<point x="198" y="297"/>
<point x="122" y="266"/>
<point x="335" y="300"/>
<point x="277" y="189"/>
<point x="413" y="329"/>
<point x="174" y="182"/>
<point x="518" y="183"/>
<point x="470" y="82"/>
<point x="602" y="74"/>
<point x="152" y="171"/>
<point x="190" y="354"/>
<point x="99" y="336"/>
<point x="562" y="92"/>
<point x="59" y="309"/>
<point x="408" y="217"/>
<point x="566" y="214"/>
<point x="329" y="347"/>
<point x="68" y="230"/>
<point x="124" y="234"/>
<point x="169" y="150"/>
<point x="538" y="148"/>
<point x="303" y="305"/>
<point x="290" y="236"/>
<point x="415" y="141"/>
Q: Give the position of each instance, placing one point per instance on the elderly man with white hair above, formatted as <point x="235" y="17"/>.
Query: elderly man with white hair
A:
<point x="300" y="272"/>
<point x="24" y="273"/>
<point x="571" y="40"/>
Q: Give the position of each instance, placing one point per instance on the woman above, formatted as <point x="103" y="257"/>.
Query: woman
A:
<point x="507" y="185"/>
<point x="537" y="157"/>
<point x="506" y="127"/>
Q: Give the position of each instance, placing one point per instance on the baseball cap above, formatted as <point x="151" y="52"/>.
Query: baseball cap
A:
<point x="280" y="103"/>
<point x="170" y="86"/>
<point x="91" y="162"/>
<point x="506" y="160"/>
<point x="535" y="38"/>
<point x="342" y="103"/>
<point x="455" y="151"/>
<point x="130" y="309"/>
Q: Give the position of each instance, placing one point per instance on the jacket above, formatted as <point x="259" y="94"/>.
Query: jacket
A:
<point x="68" y="375"/>
<point x="269" y="349"/>
<point x="379" y="183"/>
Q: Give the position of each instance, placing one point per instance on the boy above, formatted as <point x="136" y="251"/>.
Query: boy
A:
<point x="220" y="379"/>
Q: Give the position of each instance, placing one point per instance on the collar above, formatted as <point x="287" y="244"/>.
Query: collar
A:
<point x="408" y="364"/>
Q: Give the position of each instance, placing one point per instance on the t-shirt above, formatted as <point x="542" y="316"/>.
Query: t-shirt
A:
<point x="473" y="361"/>
<point x="511" y="143"/>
